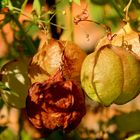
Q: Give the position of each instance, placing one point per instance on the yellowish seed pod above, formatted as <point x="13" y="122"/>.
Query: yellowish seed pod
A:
<point x="111" y="75"/>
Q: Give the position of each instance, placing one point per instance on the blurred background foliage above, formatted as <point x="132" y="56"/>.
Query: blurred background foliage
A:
<point x="25" y="24"/>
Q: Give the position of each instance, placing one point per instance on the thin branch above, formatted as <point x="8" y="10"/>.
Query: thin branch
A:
<point x="126" y="10"/>
<point x="20" y="11"/>
<point x="27" y="39"/>
<point x="46" y="22"/>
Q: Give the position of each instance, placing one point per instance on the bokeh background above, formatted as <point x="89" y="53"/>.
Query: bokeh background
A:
<point x="99" y="123"/>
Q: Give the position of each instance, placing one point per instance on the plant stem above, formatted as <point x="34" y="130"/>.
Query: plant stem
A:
<point x="53" y="27"/>
<point x="27" y="39"/>
<point x="19" y="11"/>
<point x="126" y="10"/>
<point x="116" y="8"/>
<point x="71" y="22"/>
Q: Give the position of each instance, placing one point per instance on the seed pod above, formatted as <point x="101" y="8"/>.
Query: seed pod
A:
<point x="127" y="37"/>
<point x="111" y="75"/>
<point x="51" y="56"/>
<point x="55" y="104"/>
<point x="14" y="75"/>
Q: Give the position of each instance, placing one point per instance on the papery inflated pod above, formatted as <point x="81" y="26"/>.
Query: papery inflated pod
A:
<point x="51" y="56"/>
<point x="125" y="36"/>
<point x="111" y="75"/>
<point x="55" y="104"/>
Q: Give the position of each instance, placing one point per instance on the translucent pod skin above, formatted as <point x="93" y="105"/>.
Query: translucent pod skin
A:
<point x="131" y="74"/>
<point x="102" y="75"/>
<point x="14" y="75"/>
<point x="108" y="74"/>
<point x="51" y="56"/>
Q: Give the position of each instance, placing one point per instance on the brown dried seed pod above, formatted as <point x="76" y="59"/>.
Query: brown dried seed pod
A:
<point x="55" y="105"/>
<point x="54" y="54"/>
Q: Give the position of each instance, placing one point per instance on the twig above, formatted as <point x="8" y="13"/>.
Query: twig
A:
<point x="126" y="10"/>
<point x="27" y="39"/>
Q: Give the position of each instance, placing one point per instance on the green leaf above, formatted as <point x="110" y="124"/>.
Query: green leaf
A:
<point x="4" y="88"/>
<point x="56" y="135"/>
<point x="24" y="5"/>
<point x="2" y="128"/>
<point x="18" y="3"/>
<point x="25" y="136"/>
<point x="8" y="134"/>
<point x="37" y="6"/>
<point x="127" y="122"/>
<point x="77" y="2"/>
<point x="62" y="4"/>
<point x="134" y="137"/>
<point x="3" y="3"/>
<point x="1" y="105"/>
<point x="10" y="5"/>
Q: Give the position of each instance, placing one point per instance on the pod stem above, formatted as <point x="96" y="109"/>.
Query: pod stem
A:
<point x="126" y="10"/>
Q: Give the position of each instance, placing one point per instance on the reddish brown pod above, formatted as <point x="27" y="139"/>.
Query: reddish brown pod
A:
<point x="55" y="104"/>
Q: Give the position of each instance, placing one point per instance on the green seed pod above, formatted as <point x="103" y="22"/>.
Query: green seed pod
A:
<point x="111" y="75"/>
<point x="131" y="76"/>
